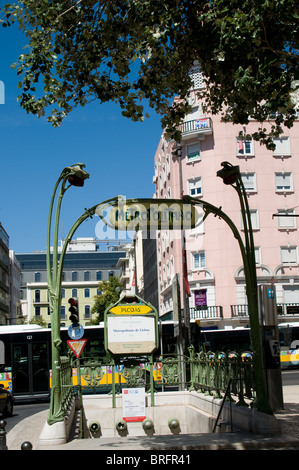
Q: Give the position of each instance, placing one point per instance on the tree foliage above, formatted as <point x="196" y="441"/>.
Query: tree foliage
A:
<point x="140" y="51"/>
<point x="38" y="321"/>
<point x="111" y="290"/>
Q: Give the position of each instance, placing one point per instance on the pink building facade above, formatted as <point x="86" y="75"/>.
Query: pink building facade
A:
<point x="213" y="259"/>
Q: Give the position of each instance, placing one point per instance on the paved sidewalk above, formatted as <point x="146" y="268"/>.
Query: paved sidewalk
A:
<point x="289" y="416"/>
<point x="30" y="428"/>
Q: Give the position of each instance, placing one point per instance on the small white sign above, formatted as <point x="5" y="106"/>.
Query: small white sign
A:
<point x="133" y="404"/>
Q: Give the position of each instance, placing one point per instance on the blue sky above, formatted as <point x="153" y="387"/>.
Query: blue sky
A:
<point x="118" y="154"/>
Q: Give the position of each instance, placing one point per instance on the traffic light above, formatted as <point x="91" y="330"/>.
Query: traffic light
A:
<point x="74" y="309"/>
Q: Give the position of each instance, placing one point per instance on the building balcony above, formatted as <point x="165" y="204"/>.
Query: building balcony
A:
<point x="282" y="310"/>
<point x="239" y="310"/>
<point x="204" y="311"/>
<point x="288" y="309"/>
<point x="196" y="128"/>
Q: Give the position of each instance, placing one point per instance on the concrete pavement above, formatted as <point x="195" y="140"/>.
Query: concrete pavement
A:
<point x="30" y="429"/>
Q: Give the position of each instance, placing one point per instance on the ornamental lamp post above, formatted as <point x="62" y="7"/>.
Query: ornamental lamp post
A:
<point x="231" y="176"/>
<point x="73" y="175"/>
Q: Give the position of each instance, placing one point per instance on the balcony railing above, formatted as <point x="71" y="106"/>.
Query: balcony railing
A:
<point x="203" y="311"/>
<point x="282" y="309"/>
<point x="197" y="126"/>
<point x="239" y="310"/>
<point x="288" y="309"/>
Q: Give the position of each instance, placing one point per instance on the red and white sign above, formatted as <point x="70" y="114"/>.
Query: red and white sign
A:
<point x="133" y="404"/>
<point x="77" y="346"/>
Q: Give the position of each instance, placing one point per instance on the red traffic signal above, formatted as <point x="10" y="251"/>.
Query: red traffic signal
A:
<point x="74" y="310"/>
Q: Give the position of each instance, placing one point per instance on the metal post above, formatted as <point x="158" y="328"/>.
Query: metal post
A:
<point x="231" y="176"/>
<point x="80" y="398"/>
<point x="3" y="445"/>
<point x="247" y="253"/>
<point x="113" y="384"/>
<point x="74" y="175"/>
<point x="151" y="380"/>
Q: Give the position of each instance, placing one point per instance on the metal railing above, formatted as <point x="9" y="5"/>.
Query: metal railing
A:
<point x="206" y="372"/>
<point x="203" y="311"/>
<point x="67" y="389"/>
<point x="239" y="310"/>
<point x="288" y="309"/>
<point x="211" y="373"/>
<point x="203" y="125"/>
<point x="228" y="376"/>
<point x="282" y="309"/>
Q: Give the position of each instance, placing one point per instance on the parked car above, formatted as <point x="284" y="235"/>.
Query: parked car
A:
<point x="6" y="402"/>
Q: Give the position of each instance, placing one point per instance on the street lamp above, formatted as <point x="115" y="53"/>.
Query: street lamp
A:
<point x="231" y="176"/>
<point x="73" y="175"/>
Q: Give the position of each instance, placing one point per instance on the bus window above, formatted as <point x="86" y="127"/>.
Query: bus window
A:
<point x="20" y="367"/>
<point x="40" y="367"/>
<point x="30" y="368"/>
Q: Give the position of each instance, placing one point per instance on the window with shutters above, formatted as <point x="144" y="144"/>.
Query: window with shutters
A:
<point x="283" y="182"/>
<point x="249" y="181"/>
<point x="288" y="254"/>
<point x="282" y="148"/>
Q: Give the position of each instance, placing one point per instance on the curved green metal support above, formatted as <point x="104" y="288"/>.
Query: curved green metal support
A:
<point x="54" y="273"/>
<point x="248" y="257"/>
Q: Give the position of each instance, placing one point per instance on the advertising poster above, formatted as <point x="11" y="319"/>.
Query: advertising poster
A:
<point x="200" y="297"/>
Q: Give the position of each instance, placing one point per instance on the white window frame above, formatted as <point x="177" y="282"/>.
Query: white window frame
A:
<point x="284" y="188"/>
<point x="163" y="173"/>
<point x="193" y="115"/>
<point x="289" y="254"/>
<point x="288" y="221"/>
<point x="254" y="216"/>
<point x="283" y="147"/>
<point x="199" y="229"/>
<point x="198" y="260"/>
<point x="171" y="265"/>
<point x="249" y="181"/>
<point x="168" y="164"/>
<point x="196" y="185"/>
<point x="193" y="152"/>
<point x="247" y="149"/>
<point x="258" y="255"/>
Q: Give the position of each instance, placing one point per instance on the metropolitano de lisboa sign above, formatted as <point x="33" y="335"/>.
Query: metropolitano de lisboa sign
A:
<point x="148" y="214"/>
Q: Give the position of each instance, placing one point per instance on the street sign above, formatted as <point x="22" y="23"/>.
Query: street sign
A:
<point x="131" y="309"/>
<point x="131" y="327"/>
<point x="270" y="293"/>
<point x="131" y="334"/>
<point x="77" y="346"/>
<point x="76" y="331"/>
